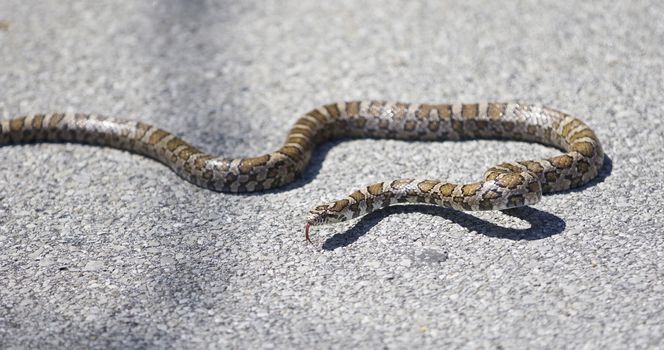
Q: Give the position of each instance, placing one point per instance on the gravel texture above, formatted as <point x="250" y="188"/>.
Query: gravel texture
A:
<point x="100" y="248"/>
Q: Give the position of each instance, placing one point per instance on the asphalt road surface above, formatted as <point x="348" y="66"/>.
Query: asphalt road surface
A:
<point x="101" y="248"/>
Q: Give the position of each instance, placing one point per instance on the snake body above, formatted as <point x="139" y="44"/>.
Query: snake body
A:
<point x="504" y="186"/>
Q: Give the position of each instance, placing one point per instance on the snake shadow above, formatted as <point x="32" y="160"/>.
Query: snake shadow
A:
<point x="542" y="224"/>
<point x="315" y="164"/>
<point x="310" y="172"/>
<point x="605" y="172"/>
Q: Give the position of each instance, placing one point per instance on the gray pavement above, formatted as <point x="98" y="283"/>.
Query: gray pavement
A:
<point x="100" y="248"/>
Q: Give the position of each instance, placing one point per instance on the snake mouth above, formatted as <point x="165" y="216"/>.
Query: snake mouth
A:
<point x="317" y="218"/>
<point x="314" y="219"/>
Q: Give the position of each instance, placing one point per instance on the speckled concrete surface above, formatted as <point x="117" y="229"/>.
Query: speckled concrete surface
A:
<point x="100" y="248"/>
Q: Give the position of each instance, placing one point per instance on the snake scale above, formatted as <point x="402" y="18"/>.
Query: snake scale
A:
<point x="504" y="186"/>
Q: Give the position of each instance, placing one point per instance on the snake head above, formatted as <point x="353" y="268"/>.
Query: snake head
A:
<point x="325" y="214"/>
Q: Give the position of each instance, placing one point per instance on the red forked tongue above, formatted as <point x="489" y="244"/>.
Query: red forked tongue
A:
<point x="306" y="232"/>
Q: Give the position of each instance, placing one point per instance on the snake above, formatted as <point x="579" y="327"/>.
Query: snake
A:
<point x="504" y="186"/>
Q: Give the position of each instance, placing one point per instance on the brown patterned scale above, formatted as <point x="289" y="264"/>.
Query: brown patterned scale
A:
<point x="504" y="186"/>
